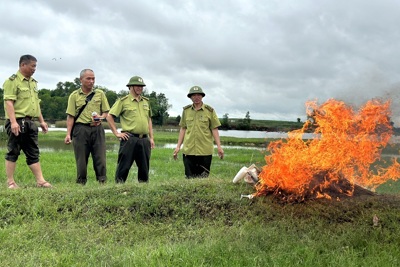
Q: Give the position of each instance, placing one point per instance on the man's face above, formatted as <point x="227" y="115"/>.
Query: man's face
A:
<point x="28" y="69"/>
<point x="136" y="89"/>
<point x="196" y="98"/>
<point x="87" y="80"/>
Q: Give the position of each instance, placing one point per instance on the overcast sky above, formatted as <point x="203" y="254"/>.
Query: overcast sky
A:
<point x="267" y="57"/>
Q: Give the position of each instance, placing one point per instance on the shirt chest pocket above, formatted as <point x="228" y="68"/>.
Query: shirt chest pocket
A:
<point x="80" y="103"/>
<point x="190" y="122"/>
<point x="132" y="112"/>
<point x="24" y="92"/>
<point x="95" y="104"/>
<point x="204" y="122"/>
<point x="146" y="110"/>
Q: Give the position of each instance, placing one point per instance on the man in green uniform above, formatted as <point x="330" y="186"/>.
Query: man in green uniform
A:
<point x="199" y="126"/>
<point x="137" y="131"/>
<point x="88" y="133"/>
<point x="21" y="105"/>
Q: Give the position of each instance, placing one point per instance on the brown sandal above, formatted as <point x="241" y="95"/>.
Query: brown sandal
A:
<point x="44" y="185"/>
<point x="12" y="185"/>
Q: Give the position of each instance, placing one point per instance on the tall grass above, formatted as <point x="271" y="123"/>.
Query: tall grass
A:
<point x="172" y="221"/>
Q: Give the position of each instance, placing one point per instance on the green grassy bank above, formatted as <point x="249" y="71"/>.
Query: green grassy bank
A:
<point x="172" y="221"/>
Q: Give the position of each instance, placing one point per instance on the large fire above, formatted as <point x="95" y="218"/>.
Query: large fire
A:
<point x="339" y="157"/>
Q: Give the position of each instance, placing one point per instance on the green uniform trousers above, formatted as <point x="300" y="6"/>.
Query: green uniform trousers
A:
<point x="27" y="141"/>
<point x="89" y="140"/>
<point x="134" y="149"/>
<point x="197" y="166"/>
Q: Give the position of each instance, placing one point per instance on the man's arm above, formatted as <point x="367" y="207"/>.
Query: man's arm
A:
<point x="217" y="140"/>
<point x="70" y="124"/>
<point x="43" y="124"/>
<point x="113" y="127"/>
<point x="9" y="105"/>
<point x="151" y="137"/>
<point x="182" y="132"/>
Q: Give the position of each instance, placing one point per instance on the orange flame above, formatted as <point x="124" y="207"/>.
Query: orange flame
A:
<point x="344" y="146"/>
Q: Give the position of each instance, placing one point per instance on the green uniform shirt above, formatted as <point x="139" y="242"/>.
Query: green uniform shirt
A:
<point x="24" y="93"/>
<point x="134" y="115"/>
<point x="98" y="103"/>
<point x="199" y="124"/>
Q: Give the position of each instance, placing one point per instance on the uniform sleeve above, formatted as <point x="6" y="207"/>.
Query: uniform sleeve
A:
<point x="10" y="90"/>
<point x="182" y="123"/>
<point x="105" y="107"/>
<point x="214" y="120"/>
<point x="71" y="108"/>
<point x="150" y="111"/>
<point x="116" y="108"/>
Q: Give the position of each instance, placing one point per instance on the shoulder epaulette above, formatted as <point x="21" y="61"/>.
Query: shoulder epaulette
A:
<point x="124" y="97"/>
<point x="186" y="107"/>
<point x="145" y="98"/>
<point x="75" y="91"/>
<point x="12" y="77"/>
<point x="101" y="91"/>
<point x="209" y="108"/>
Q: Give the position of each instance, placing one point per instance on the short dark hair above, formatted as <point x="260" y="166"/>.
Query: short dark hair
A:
<point x="26" y="59"/>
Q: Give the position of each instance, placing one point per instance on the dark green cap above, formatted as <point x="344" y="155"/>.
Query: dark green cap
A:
<point x="196" y="90"/>
<point x="136" y="80"/>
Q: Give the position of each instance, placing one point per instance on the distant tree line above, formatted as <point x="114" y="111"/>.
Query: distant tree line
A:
<point x="54" y="102"/>
<point x="241" y="124"/>
<point x="247" y="123"/>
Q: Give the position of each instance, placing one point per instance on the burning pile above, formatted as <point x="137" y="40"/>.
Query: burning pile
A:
<point x="337" y="159"/>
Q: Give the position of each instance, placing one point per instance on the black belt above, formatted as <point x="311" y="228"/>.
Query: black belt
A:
<point x="85" y="124"/>
<point x="137" y="135"/>
<point x="27" y="118"/>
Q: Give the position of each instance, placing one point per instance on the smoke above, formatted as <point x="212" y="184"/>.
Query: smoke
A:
<point x="393" y="94"/>
<point x="370" y="84"/>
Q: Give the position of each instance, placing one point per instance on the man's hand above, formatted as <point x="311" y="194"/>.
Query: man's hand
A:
<point x="152" y="144"/>
<point x="175" y="154"/>
<point x="220" y="153"/>
<point x="122" y="136"/>
<point x="67" y="139"/>
<point x="44" y="126"/>
<point x="15" y="128"/>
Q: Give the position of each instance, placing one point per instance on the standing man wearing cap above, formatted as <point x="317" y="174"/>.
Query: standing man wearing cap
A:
<point x="136" y="137"/>
<point x="199" y="126"/>
<point x="88" y="134"/>
<point x="21" y="105"/>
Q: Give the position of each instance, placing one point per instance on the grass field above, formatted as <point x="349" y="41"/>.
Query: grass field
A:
<point x="172" y="221"/>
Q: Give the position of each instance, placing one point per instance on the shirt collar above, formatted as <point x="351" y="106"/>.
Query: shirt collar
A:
<point x="22" y="77"/>
<point x="134" y="99"/>
<point x="201" y="108"/>
<point x="82" y="93"/>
